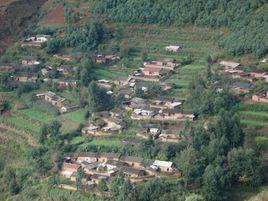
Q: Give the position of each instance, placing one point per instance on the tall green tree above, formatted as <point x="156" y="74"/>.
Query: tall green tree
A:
<point x="99" y="100"/>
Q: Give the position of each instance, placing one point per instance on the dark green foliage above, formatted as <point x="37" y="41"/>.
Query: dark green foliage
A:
<point x="152" y="90"/>
<point x="26" y="88"/>
<point x="189" y="164"/>
<point x="84" y="38"/>
<point x="206" y="99"/>
<point x="50" y="134"/>
<point x="245" y="166"/>
<point x="99" y="100"/>
<point x="79" y="177"/>
<point x="40" y="159"/>
<point x="214" y="183"/>
<point x="85" y="74"/>
<point x="246" y="20"/>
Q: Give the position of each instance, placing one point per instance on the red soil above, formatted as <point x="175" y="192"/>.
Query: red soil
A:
<point x="56" y="16"/>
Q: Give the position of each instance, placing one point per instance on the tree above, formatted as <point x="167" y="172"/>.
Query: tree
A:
<point x="116" y="184"/>
<point x="214" y="183"/>
<point x="245" y="166"/>
<point x="128" y="192"/>
<point x="228" y="125"/>
<point x="189" y="163"/>
<point x="50" y="134"/>
<point x="86" y="75"/>
<point x="99" y="100"/>
<point x="209" y="72"/>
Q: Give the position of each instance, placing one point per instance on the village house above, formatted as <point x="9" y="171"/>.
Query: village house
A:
<point x="68" y="169"/>
<point x="265" y="78"/>
<point x="156" y="72"/>
<point x="169" y="136"/>
<point x="51" y="97"/>
<point x="144" y="113"/>
<point x="169" y="64"/>
<point x="103" y="58"/>
<point x="89" y="157"/>
<point x="35" y="41"/>
<point x="229" y="65"/>
<point x="163" y="166"/>
<point x="30" y="61"/>
<point x="165" y="103"/>
<point x="104" y="157"/>
<point x="65" y="69"/>
<point x="241" y="87"/>
<point x="25" y="78"/>
<point x="133" y="172"/>
<point x="120" y="81"/>
<point x="64" y="57"/>
<point x="6" y="67"/>
<point x="173" y="115"/>
<point x="132" y="161"/>
<point x="106" y="84"/>
<point x="65" y="83"/>
<point x="69" y="108"/>
<point x="38" y="38"/>
<point x="135" y="103"/>
<point x="262" y="76"/>
<point x="172" y="48"/>
<point x="117" y="112"/>
<point x="138" y="75"/>
<point x="261" y="97"/>
<point x="149" y="130"/>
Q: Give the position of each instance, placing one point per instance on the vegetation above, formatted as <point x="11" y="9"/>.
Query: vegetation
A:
<point x="242" y="19"/>
<point x="219" y="154"/>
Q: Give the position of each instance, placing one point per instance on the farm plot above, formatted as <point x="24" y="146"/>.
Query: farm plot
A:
<point x="254" y="114"/>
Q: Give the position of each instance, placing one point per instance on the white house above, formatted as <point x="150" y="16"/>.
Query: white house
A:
<point x="172" y="48"/>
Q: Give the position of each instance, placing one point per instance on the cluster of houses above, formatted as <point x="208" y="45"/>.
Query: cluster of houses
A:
<point x="103" y="58"/>
<point x="155" y="71"/>
<point x="237" y="71"/>
<point x="104" y="123"/>
<point x="159" y="109"/>
<point x="167" y="133"/>
<point x="59" y="102"/>
<point x="104" y="166"/>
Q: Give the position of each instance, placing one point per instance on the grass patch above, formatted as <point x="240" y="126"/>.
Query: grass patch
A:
<point x="105" y="143"/>
<point x="36" y="114"/>
<point x="76" y="116"/>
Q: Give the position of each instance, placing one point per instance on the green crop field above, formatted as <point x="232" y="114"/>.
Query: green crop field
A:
<point x="254" y="114"/>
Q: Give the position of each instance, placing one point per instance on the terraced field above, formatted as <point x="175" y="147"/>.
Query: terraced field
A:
<point x="254" y="114"/>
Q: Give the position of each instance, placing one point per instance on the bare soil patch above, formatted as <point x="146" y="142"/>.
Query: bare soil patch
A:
<point x="56" y="16"/>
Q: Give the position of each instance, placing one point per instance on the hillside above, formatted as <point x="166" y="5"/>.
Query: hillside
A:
<point x="247" y="21"/>
<point x="133" y="100"/>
